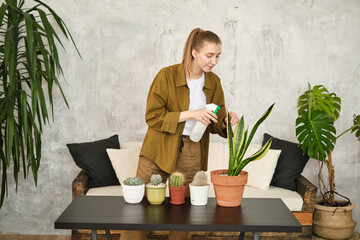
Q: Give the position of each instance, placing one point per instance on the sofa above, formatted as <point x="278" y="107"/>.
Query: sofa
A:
<point x="300" y="202"/>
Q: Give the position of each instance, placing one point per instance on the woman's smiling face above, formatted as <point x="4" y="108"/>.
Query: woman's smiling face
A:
<point x="207" y="57"/>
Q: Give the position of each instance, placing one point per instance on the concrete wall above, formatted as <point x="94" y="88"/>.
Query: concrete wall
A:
<point x="271" y="49"/>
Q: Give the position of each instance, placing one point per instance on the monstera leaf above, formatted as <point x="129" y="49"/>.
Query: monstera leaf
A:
<point x="317" y="134"/>
<point x="319" y="98"/>
<point x="356" y="127"/>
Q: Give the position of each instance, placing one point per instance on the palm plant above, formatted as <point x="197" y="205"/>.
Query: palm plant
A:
<point x="29" y="66"/>
<point x="240" y="141"/>
<point x="317" y="112"/>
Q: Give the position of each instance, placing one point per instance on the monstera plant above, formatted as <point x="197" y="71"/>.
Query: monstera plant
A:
<point x="318" y="109"/>
<point x="29" y="70"/>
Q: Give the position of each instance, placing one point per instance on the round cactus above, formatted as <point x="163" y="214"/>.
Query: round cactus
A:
<point x="156" y="179"/>
<point x="133" y="181"/>
<point x="200" y="179"/>
<point x="176" y="179"/>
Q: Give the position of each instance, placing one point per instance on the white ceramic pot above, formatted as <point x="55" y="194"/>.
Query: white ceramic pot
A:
<point x="199" y="194"/>
<point x="133" y="194"/>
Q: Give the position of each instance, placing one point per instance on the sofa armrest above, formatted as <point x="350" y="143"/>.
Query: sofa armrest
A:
<point x="307" y="191"/>
<point x="80" y="184"/>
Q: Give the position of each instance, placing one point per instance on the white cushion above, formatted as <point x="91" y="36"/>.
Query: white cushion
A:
<point x="105" y="191"/>
<point x="261" y="171"/>
<point x="291" y="198"/>
<point x="125" y="160"/>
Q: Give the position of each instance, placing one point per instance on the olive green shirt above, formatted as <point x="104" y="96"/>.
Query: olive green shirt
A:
<point x="168" y="96"/>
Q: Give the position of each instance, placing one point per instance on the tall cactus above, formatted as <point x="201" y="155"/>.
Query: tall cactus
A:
<point x="176" y="179"/>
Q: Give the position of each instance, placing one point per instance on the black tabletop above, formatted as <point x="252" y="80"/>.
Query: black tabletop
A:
<point x="105" y="212"/>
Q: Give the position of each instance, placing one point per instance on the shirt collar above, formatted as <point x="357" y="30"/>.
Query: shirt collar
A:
<point x="181" y="79"/>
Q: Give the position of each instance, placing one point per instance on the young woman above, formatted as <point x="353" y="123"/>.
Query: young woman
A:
<point x="176" y="100"/>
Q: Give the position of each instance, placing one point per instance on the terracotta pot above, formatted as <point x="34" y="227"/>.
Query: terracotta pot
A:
<point x="333" y="222"/>
<point x="177" y="195"/>
<point x="228" y="189"/>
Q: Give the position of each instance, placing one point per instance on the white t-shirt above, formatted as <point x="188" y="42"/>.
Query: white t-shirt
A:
<point x="197" y="100"/>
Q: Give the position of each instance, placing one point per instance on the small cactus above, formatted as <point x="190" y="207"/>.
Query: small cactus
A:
<point x="133" y="181"/>
<point x="156" y="179"/>
<point x="200" y="179"/>
<point x="176" y="179"/>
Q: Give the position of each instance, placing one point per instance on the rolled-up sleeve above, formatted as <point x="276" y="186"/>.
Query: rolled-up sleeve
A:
<point x="158" y="116"/>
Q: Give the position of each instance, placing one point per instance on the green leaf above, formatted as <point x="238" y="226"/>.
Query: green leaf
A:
<point x="317" y="134"/>
<point x="230" y="142"/>
<point x="29" y="65"/>
<point x="239" y="140"/>
<point x="256" y="156"/>
<point x="2" y="13"/>
<point x="257" y="124"/>
<point x="236" y="162"/>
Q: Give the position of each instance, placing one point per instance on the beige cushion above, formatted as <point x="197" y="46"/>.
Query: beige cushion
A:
<point x="125" y="159"/>
<point x="261" y="171"/>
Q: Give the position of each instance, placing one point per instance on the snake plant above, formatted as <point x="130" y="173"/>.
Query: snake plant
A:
<point x="240" y="141"/>
<point x="29" y="66"/>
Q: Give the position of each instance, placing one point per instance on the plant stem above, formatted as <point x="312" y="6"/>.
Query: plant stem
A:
<point x="331" y="180"/>
<point x="345" y="132"/>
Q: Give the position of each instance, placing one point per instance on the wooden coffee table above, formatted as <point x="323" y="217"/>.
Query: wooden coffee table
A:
<point x="108" y="213"/>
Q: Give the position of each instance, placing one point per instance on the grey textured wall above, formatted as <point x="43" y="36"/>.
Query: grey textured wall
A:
<point x="271" y="49"/>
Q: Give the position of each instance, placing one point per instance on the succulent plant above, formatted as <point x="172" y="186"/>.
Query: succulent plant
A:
<point x="156" y="179"/>
<point x="133" y="181"/>
<point x="200" y="179"/>
<point x="176" y="179"/>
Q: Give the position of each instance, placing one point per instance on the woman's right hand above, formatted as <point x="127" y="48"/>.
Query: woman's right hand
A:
<point x="204" y="115"/>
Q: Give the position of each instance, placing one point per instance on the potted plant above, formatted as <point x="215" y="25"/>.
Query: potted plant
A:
<point x="199" y="189"/>
<point x="133" y="190"/>
<point x="177" y="188"/>
<point x="229" y="183"/>
<point x="315" y="130"/>
<point x="29" y="70"/>
<point x="155" y="190"/>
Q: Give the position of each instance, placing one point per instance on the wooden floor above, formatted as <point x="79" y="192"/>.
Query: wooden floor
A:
<point x="34" y="237"/>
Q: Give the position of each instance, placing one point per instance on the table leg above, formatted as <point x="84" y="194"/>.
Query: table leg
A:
<point x="93" y="234"/>
<point x="242" y="235"/>
<point x="256" y="235"/>
<point x="108" y="235"/>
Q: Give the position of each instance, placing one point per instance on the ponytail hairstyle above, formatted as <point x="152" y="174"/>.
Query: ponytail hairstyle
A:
<point x="196" y="41"/>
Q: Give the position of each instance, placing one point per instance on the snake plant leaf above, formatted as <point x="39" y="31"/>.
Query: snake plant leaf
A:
<point x="257" y="124"/>
<point x="316" y="135"/>
<point x="240" y="141"/>
<point x="256" y="156"/>
<point x="230" y="142"/>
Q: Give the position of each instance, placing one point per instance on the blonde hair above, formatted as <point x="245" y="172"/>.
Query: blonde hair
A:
<point x="195" y="41"/>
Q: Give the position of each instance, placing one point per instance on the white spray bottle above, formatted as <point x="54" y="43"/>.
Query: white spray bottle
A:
<point x="199" y="128"/>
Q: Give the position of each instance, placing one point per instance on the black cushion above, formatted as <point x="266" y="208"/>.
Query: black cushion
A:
<point x="291" y="162"/>
<point x="92" y="157"/>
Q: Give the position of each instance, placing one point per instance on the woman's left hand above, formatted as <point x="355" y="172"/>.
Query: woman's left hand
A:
<point x="234" y="119"/>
